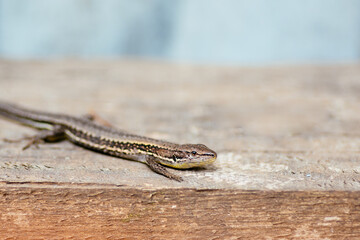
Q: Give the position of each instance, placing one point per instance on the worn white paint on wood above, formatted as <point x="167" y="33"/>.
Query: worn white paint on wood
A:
<point x="294" y="128"/>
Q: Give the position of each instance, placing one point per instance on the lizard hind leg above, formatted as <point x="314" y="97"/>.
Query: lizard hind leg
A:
<point x="54" y="135"/>
<point x="94" y="117"/>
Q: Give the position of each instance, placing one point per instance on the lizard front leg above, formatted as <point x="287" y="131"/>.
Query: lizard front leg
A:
<point x="158" y="168"/>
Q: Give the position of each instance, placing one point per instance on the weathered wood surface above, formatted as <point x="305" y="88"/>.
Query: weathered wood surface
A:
<point x="120" y="213"/>
<point x="290" y="135"/>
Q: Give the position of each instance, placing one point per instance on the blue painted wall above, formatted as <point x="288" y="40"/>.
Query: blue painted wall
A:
<point x="202" y="31"/>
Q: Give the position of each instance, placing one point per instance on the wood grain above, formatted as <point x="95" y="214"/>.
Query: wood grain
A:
<point x="287" y="140"/>
<point x="96" y="212"/>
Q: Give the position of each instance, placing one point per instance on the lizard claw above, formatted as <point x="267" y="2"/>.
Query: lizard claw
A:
<point x="34" y="141"/>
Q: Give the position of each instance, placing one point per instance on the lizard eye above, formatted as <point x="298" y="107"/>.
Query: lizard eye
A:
<point x="194" y="152"/>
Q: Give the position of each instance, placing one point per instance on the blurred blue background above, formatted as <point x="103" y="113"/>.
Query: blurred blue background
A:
<point x="201" y="31"/>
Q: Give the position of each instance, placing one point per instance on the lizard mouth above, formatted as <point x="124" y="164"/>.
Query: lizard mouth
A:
<point x="186" y="165"/>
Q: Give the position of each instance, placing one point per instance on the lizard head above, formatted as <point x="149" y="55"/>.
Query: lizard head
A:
<point x="188" y="156"/>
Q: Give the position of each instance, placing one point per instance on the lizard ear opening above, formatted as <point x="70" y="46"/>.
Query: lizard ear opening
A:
<point x="174" y="158"/>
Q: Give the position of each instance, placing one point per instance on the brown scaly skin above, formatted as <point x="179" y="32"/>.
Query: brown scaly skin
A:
<point x="84" y="132"/>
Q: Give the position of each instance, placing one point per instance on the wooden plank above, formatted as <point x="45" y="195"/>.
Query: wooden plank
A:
<point x="293" y="128"/>
<point x="105" y="212"/>
<point x="287" y="140"/>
